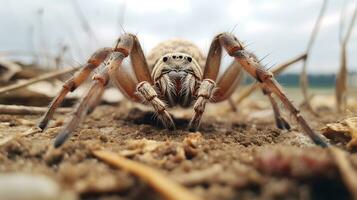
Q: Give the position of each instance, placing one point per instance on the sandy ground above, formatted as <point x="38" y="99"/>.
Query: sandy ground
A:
<point x="234" y="155"/>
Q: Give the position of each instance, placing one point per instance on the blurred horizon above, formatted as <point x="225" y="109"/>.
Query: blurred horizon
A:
<point x="280" y="29"/>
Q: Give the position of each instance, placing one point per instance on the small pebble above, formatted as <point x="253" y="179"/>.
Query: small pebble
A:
<point x="18" y="186"/>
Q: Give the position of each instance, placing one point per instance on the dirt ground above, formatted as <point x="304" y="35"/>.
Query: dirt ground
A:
<point x="234" y="155"/>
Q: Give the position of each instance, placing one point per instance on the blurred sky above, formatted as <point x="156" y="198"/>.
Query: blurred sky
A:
<point x="280" y="28"/>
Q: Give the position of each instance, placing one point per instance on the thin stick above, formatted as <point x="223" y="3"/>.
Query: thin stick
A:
<point x="277" y="70"/>
<point x="44" y="52"/>
<point x="341" y="79"/>
<point x="27" y="110"/>
<point x="166" y="187"/>
<point x="349" y="175"/>
<point x="37" y="79"/>
<point x="304" y="83"/>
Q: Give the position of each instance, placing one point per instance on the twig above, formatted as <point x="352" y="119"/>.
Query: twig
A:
<point x="349" y="175"/>
<point x="167" y="188"/>
<point x="27" y="110"/>
<point x="121" y="16"/>
<point x="37" y="79"/>
<point x="277" y="70"/>
<point x="341" y="79"/>
<point x="59" y="58"/>
<point x="304" y="83"/>
<point x="303" y="104"/>
<point x="44" y="52"/>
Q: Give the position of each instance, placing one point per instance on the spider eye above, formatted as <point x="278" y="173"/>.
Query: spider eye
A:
<point x="164" y="59"/>
<point x="189" y="59"/>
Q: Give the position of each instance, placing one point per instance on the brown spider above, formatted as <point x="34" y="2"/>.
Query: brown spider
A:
<point x="175" y="73"/>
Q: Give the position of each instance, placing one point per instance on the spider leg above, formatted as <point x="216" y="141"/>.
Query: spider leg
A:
<point x="85" y="106"/>
<point x="149" y="94"/>
<point x="129" y="44"/>
<point x="71" y="84"/>
<point x="205" y="93"/>
<point x="229" y="81"/>
<point x="280" y="122"/>
<point x="249" y="63"/>
<point x="227" y="84"/>
<point x="123" y="80"/>
<point x="209" y="90"/>
<point x="110" y="67"/>
<point x="208" y="85"/>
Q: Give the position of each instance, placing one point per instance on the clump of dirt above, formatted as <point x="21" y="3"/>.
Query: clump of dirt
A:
<point x="231" y="157"/>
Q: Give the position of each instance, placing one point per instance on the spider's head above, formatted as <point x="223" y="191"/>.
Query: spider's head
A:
<point x="176" y="66"/>
<point x="177" y="74"/>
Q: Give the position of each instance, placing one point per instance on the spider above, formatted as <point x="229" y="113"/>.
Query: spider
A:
<point x="174" y="72"/>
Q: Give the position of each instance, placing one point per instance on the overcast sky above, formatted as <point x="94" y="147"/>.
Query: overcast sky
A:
<point x="280" y="28"/>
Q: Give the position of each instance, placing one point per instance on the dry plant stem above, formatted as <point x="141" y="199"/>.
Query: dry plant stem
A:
<point x="348" y="173"/>
<point x="304" y="84"/>
<point x="303" y="104"/>
<point x="341" y="79"/>
<point x="167" y="188"/>
<point x="277" y="70"/>
<point x="341" y="82"/>
<point x="36" y="79"/>
<point x="27" y="110"/>
<point x="85" y="24"/>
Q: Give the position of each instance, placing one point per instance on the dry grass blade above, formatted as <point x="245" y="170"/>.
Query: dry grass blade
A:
<point x="303" y="77"/>
<point x="84" y="22"/>
<point x="167" y="188"/>
<point x="341" y="79"/>
<point x="7" y="139"/>
<point x="349" y="175"/>
<point x="37" y="79"/>
<point x="277" y="70"/>
<point x="27" y="110"/>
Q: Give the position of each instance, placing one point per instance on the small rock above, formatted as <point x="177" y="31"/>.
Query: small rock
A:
<point x="15" y="186"/>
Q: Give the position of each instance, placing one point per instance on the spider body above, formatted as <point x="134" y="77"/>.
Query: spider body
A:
<point x="175" y="73"/>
